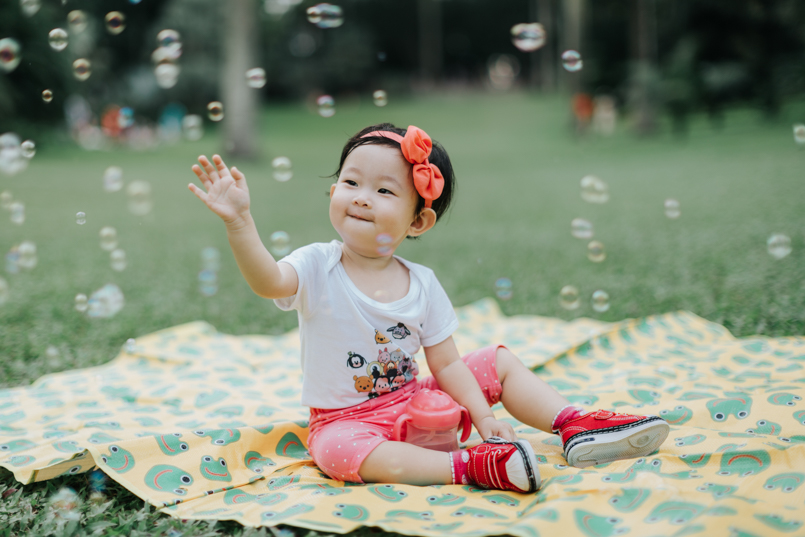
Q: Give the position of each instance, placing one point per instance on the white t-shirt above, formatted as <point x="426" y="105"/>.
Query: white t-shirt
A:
<point x="355" y="348"/>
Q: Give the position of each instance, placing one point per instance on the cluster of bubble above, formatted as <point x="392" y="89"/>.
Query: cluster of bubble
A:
<point x="65" y="504"/>
<point x="529" y="37"/>
<point x="384" y="244"/>
<point x="15" y="153"/>
<point x="325" y="15"/>
<point x="21" y="256"/>
<point x="104" y="303"/>
<point x="166" y="58"/>
<point x="208" y="276"/>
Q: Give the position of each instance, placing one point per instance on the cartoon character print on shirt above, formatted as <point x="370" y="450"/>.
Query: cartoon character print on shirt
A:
<point x="380" y="339"/>
<point x="399" y="331"/>
<point x="355" y="360"/>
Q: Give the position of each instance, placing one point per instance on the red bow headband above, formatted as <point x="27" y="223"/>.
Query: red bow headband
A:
<point x="416" y="146"/>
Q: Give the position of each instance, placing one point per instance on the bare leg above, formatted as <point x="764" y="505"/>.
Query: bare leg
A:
<point x="526" y="396"/>
<point x="399" y="462"/>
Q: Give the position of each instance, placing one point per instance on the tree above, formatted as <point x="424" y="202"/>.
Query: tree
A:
<point x="240" y="101"/>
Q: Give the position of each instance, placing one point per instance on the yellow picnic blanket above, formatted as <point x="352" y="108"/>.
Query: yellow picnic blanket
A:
<point x="205" y="425"/>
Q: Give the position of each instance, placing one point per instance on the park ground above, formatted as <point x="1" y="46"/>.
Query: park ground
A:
<point x="518" y="167"/>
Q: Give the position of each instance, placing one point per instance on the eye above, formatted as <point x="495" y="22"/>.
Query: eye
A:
<point x="183" y="446"/>
<point x="385" y="191"/>
<point x="207" y="459"/>
<point x="223" y="463"/>
<point x="350" y="182"/>
<point x="186" y="479"/>
<point x="113" y="449"/>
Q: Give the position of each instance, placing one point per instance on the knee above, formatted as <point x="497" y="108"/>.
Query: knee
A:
<point x="504" y="361"/>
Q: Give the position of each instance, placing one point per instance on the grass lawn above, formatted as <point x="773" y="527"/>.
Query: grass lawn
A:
<point x="518" y="170"/>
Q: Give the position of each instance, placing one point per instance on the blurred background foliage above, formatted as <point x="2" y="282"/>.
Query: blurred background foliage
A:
<point x="680" y="55"/>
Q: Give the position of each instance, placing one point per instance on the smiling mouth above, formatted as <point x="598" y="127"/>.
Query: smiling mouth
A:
<point x="357" y="217"/>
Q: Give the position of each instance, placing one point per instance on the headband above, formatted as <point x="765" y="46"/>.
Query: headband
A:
<point x="416" y="146"/>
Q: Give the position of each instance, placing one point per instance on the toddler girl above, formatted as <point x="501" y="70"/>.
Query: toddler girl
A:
<point x="364" y="313"/>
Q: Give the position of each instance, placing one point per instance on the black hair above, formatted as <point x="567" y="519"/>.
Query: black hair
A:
<point x="438" y="156"/>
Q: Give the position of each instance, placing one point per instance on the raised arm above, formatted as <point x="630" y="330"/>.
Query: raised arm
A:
<point x="227" y="195"/>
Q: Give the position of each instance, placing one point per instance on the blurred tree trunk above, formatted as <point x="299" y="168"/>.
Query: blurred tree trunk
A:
<point x="430" y="41"/>
<point x="543" y="61"/>
<point x="644" y="69"/>
<point x="239" y="100"/>
<point x="572" y="21"/>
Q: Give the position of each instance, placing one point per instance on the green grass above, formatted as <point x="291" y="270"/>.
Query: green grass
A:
<point x="518" y="170"/>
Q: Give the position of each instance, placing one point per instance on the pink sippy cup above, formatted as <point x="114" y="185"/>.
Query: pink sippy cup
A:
<point x="431" y="420"/>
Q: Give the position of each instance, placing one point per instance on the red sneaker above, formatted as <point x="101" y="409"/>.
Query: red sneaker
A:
<point x="604" y="436"/>
<point x="503" y="465"/>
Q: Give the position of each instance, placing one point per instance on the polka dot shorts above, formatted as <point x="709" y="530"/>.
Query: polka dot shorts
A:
<point x="340" y="439"/>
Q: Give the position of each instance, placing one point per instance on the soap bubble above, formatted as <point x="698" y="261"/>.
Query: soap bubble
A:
<point x="47" y="95"/>
<point x="82" y="69"/>
<point x="105" y="302"/>
<point x="256" y="77"/>
<point x="113" y="179"/>
<point x="30" y="7"/>
<point x="215" y="111"/>
<point x="207" y="282"/>
<point x="326" y="106"/>
<point x="65" y="504"/>
<point x="502" y="70"/>
<point x="503" y="288"/>
<point x="52" y="352"/>
<point x="282" y="169"/>
<point x="528" y="37"/>
<point x="380" y="98"/>
<point x="118" y="260"/>
<point x="57" y="39"/>
<point x="569" y="297"/>
<point x="3" y="290"/>
<point x="779" y="245"/>
<point x="9" y="54"/>
<point x="28" y="149"/>
<point x="81" y="302"/>
<point x="5" y="200"/>
<point x="17" y="213"/>
<point x="77" y="21"/>
<point x="581" y="228"/>
<point x="211" y="258"/>
<point x="168" y="39"/>
<point x="571" y="61"/>
<point x="280" y="243"/>
<point x="672" y="209"/>
<point x="799" y="134"/>
<point x="384" y="241"/>
<point x="600" y="301"/>
<point x="193" y="127"/>
<point x="167" y="74"/>
<point x="108" y="238"/>
<point x="80" y="218"/>
<point x="28" y="258"/>
<point x="131" y="345"/>
<point x="13" y="260"/>
<point x="96" y="497"/>
<point x="12" y="160"/>
<point x="139" y="193"/>
<point x="594" y="190"/>
<point x="596" y="252"/>
<point x="325" y="15"/>
<point x="115" y="22"/>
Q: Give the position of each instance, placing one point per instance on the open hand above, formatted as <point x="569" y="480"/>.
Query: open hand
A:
<point x="490" y="426"/>
<point x="227" y="194"/>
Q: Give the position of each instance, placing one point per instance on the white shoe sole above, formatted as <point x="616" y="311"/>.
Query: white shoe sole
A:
<point x="588" y="449"/>
<point x="531" y="458"/>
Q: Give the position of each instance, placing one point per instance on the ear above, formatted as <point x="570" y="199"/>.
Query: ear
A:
<point x="332" y="188"/>
<point x="425" y="220"/>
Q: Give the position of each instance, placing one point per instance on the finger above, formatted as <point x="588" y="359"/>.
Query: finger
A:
<point x="237" y="175"/>
<point x="223" y="171"/>
<point x="203" y="177"/>
<point x="200" y="194"/>
<point x="209" y="168"/>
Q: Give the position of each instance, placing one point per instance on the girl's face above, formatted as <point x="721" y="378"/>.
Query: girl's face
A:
<point x="373" y="202"/>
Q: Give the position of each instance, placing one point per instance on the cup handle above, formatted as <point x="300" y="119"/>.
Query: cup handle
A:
<point x="403" y="419"/>
<point x="466" y="424"/>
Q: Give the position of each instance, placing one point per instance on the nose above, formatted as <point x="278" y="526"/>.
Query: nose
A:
<point x="362" y="200"/>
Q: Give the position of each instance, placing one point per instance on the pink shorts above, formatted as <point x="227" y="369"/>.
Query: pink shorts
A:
<point x="341" y="439"/>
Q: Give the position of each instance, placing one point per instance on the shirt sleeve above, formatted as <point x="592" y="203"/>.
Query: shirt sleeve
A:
<point x="441" y="320"/>
<point x="309" y="262"/>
